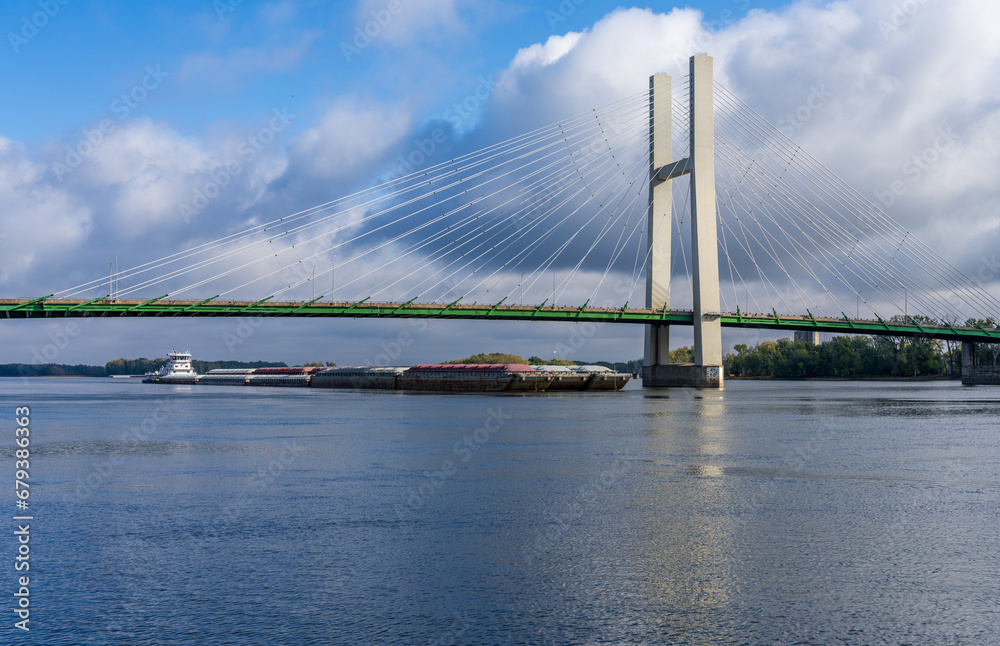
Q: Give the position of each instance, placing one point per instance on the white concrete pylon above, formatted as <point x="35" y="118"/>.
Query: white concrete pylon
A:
<point x="659" y="219"/>
<point x="704" y="221"/>
<point x="700" y="166"/>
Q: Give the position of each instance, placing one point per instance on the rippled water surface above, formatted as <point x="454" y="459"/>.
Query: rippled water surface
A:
<point x="770" y="513"/>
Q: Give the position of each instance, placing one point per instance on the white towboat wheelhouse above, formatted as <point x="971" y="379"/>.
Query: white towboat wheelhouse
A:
<point x="178" y="364"/>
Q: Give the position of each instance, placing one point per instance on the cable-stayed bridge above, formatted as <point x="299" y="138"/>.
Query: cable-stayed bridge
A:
<point x="679" y="205"/>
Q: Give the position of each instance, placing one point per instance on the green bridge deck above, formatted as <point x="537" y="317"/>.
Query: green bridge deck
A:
<point x="48" y="307"/>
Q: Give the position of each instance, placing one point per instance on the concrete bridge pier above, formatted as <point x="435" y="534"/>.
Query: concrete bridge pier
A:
<point x="706" y="371"/>
<point x="975" y="374"/>
<point x="968" y="358"/>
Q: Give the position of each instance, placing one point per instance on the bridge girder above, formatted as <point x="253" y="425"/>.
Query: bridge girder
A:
<point x="102" y="308"/>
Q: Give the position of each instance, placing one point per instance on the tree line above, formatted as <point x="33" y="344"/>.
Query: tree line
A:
<point x="633" y="367"/>
<point x="850" y="357"/>
<point x="142" y="366"/>
<point x="120" y="367"/>
<point x="844" y="357"/>
<point x="49" y="370"/>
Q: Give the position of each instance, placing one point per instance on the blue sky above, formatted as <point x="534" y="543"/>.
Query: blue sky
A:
<point x="180" y="85"/>
<point x="231" y="61"/>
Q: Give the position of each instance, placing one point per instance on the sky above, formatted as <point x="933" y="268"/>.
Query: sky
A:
<point x="117" y="113"/>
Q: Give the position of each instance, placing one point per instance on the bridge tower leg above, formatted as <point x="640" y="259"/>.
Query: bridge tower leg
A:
<point x="660" y="218"/>
<point x="706" y="371"/>
<point x="968" y="361"/>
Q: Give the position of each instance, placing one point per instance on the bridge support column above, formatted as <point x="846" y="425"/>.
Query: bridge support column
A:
<point x="968" y="361"/>
<point x="975" y="373"/>
<point x="660" y="218"/>
<point x="706" y="371"/>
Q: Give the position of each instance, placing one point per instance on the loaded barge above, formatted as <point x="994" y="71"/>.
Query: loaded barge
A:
<point x="479" y="377"/>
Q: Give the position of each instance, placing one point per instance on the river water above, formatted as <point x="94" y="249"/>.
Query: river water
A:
<point x="769" y="513"/>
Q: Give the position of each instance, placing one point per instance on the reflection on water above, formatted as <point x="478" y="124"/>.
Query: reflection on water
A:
<point x="770" y="513"/>
<point x="687" y="546"/>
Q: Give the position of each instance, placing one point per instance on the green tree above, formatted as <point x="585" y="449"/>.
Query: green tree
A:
<point x="492" y="357"/>
<point x="682" y="355"/>
<point x="842" y="357"/>
<point x="142" y="366"/>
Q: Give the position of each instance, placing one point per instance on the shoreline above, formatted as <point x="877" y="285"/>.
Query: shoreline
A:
<point x="921" y="378"/>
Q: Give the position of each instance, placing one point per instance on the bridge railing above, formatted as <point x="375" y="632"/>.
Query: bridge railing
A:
<point x="55" y="308"/>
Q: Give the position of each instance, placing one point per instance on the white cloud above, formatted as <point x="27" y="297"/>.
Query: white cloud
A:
<point x="227" y="71"/>
<point x="413" y="21"/>
<point x="350" y="138"/>
<point x="127" y="196"/>
<point x="889" y="90"/>
<point x="38" y="221"/>
<point x="542" y="55"/>
<point x="578" y="71"/>
<point x="148" y="170"/>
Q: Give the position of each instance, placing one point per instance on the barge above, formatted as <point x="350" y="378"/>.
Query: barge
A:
<point x="480" y="377"/>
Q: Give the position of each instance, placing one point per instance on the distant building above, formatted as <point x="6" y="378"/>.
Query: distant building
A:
<point x="805" y="336"/>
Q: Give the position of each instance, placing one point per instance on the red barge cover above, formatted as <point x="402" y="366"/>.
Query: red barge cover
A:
<point x="471" y="367"/>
